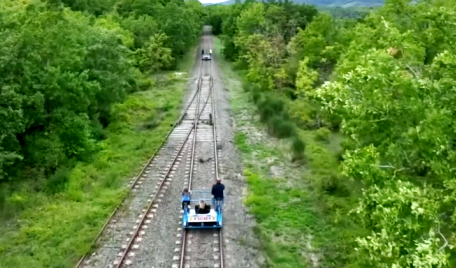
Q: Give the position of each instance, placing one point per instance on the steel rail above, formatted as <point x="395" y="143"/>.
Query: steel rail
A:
<point x="141" y="173"/>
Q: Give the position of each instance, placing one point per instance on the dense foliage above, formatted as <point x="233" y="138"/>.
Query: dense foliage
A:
<point x="256" y="34"/>
<point x="319" y="3"/>
<point x="64" y="67"/>
<point x="343" y="13"/>
<point x="386" y="83"/>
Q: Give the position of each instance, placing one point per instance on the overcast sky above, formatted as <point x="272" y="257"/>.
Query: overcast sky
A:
<point x="212" y="1"/>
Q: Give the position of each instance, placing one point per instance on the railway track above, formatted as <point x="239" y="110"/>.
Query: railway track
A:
<point x="186" y="126"/>
<point x="160" y="190"/>
<point x="195" y="127"/>
<point x="201" y="248"/>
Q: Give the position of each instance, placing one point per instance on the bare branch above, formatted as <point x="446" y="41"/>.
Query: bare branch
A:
<point x="390" y="166"/>
<point x="397" y="170"/>
<point x="417" y="76"/>
<point x="446" y="242"/>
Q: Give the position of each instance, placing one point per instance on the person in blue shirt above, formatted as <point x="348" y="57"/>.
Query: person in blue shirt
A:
<point x="185" y="199"/>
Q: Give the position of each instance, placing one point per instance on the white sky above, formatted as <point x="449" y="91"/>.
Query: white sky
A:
<point x="211" y="1"/>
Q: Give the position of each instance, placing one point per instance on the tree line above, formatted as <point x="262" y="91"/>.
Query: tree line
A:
<point x="65" y="63"/>
<point x="385" y="82"/>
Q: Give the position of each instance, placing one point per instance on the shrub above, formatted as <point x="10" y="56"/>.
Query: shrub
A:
<point x="144" y="84"/>
<point x="290" y="93"/>
<point x="298" y="147"/>
<point x="247" y="86"/>
<point x="151" y="122"/>
<point x="339" y="156"/>
<point x="301" y="112"/>
<point x="273" y="124"/>
<point x="167" y="106"/>
<point x="322" y="134"/>
<point x="139" y="82"/>
<point x="98" y="130"/>
<point x="332" y="185"/>
<point x="286" y="116"/>
<point x="256" y="96"/>
<point x="58" y="181"/>
<point x="269" y="107"/>
<point x="276" y="104"/>
<point x="266" y="112"/>
<point x="281" y="128"/>
<point x="11" y="203"/>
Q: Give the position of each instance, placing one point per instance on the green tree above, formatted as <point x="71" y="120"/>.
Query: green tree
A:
<point x="155" y="56"/>
<point x="399" y="145"/>
<point x="306" y="78"/>
<point x="61" y="72"/>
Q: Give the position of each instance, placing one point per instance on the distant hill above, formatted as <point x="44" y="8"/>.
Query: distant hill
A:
<point x="327" y="3"/>
<point x="229" y="2"/>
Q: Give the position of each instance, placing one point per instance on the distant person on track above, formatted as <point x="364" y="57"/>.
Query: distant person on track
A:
<point x="217" y="193"/>
<point x="202" y="51"/>
<point x="185" y="199"/>
<point x="210" y="52"/>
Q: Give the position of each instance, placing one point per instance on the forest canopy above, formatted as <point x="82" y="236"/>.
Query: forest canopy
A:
<point x="385" y="82"/>
<point x="65" y="63"/>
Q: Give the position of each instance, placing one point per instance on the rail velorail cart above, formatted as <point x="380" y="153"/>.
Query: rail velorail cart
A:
<point x="196" y="217"/>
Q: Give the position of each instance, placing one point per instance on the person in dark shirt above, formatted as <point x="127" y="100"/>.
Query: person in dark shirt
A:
<point x="217" y="193"/>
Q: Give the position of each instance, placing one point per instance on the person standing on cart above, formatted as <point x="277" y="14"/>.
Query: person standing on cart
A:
<point x="217" y="193"/>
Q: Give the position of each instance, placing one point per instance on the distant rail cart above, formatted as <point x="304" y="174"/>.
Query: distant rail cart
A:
<point x="197" y="217"/>
<point x="206" y="57"/>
